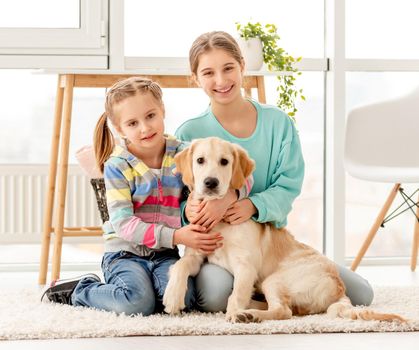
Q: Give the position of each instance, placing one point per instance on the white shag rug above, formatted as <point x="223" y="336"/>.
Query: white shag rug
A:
<point x="23" y="316"/>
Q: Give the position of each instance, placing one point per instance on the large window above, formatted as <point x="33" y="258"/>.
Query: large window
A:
<point x="301" y="32"/>
<point x="379" y="44"/>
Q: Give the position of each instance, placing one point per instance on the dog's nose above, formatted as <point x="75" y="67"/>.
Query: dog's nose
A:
<point x="211" y="182"/>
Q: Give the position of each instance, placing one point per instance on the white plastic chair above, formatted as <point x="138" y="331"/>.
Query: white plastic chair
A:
<point x="382" y="145"/>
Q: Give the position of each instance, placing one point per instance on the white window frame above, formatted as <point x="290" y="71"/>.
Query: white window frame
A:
<point x="83" y="47"/>
<point x="334" y="173"/>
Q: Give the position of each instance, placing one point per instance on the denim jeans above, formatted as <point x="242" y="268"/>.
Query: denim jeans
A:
<point x="215" y="284"/>
<point x="133" y="284"/>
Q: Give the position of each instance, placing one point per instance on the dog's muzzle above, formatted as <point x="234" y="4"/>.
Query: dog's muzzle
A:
<point x="211" y="183"/>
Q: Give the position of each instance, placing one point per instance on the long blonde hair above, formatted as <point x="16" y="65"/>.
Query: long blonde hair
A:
<point x="103" y="140"/>
<point x="213" y="40"/>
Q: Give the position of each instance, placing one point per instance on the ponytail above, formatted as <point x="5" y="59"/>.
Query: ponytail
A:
<point x="103" y="141"/>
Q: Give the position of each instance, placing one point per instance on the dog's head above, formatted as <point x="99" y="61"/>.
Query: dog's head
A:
<point x="211" y="166"/>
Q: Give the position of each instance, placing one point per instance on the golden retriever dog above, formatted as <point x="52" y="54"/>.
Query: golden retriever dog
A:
<point x="294" y="278"/>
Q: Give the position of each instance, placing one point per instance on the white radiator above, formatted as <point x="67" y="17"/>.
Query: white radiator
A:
<point x="22" y="202"/>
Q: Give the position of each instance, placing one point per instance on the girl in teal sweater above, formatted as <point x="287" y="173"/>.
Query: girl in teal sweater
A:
<point x="270" y="138"/>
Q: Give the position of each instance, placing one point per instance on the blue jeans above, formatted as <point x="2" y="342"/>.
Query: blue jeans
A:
<point x="215" y="284"/>
<point x="133" y="284"/>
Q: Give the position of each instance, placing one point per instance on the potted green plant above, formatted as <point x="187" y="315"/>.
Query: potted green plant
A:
<point x="252" y="52"/>
<point x="276" y="60"/>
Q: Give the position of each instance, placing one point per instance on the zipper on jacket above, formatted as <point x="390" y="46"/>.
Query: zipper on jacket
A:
<point x="160" y="199"/>
<point x="160" y="188"/>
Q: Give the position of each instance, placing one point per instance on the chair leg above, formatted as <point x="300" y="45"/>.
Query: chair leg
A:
<point x="375" y="226"/>
<point x="415" y="244"/>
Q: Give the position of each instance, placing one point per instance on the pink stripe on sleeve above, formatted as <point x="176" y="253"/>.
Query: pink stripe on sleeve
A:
<point x="128" y="229"/>
<point x="149" y="239"/>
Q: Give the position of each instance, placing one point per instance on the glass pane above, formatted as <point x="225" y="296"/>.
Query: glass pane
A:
<point x="364" y="199"/>
<point x="306" y="218"/>
<point x="382" y="29"/>
<point x="299" y="23"/>
<point x="40" y="14"/>
<point x="26" y="127"/>
<point x="34" y="118"/>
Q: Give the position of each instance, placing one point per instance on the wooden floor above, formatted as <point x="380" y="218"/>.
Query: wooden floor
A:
<point x="338" y="341"/>
<point x="384" y="275"/>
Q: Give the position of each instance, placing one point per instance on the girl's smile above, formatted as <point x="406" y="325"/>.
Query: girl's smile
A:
<point x="224" y="90"/>
<point x="147" y="138"/>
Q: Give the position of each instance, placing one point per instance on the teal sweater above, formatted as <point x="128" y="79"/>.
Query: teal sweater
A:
<point x="276" y="149"/>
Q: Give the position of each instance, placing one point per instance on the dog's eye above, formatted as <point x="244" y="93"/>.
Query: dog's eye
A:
<point x="200" y="160"/>
<point x="223" y="161"/>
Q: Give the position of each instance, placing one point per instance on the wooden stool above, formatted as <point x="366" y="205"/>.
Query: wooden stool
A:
<point x="60" y="144"/>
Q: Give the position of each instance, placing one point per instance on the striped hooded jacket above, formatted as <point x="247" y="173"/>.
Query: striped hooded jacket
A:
<point x="144" y="209"/>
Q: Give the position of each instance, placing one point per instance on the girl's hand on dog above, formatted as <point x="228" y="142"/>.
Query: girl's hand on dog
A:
<point x="196" y="237"/>
<point x="240" y="211"/>
<point x="211" y="212"/>
<point x="192" y="209"/>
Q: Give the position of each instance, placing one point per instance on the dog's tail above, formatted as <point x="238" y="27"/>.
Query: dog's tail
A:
<point x="344" y="309"/>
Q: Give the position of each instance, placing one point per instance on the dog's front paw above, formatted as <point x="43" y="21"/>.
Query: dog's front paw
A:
<point x="246" y="316"/>
<point x="174" y="299"/>
<point x="242" y="316"/>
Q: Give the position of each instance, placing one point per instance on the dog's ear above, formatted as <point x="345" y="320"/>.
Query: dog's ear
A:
<point x="183" y="161"/>
<point x="243" y="166"/>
